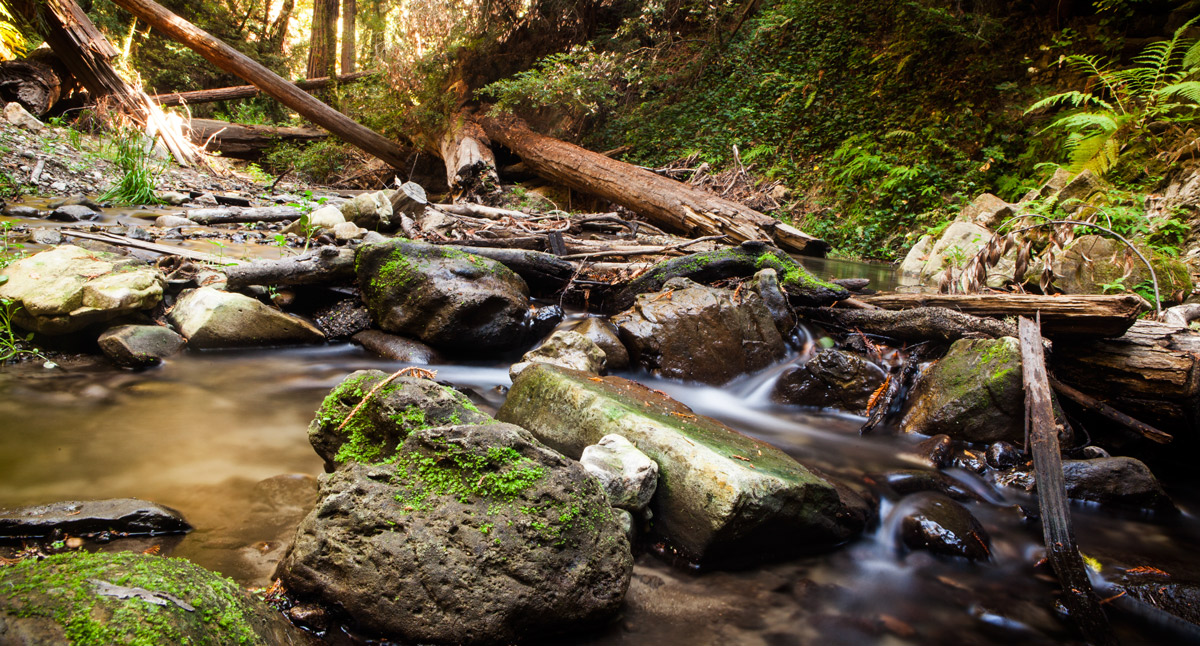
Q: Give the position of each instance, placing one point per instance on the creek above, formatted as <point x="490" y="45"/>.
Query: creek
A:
<point x="199" y="432"/>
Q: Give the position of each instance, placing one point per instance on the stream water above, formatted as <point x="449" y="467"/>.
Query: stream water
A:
<point x="221" y="437"/>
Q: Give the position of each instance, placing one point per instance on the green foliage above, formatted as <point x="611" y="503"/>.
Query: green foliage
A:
<point x="318" y="161"/>
<point x="12" y="42"/>
<point x="580" y="81"/>
<point x="134" y="156"/>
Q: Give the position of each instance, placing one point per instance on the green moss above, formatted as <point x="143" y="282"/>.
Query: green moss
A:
<point x="499" y="476"/>
<point x="397" y="271"/>
<point x="61" y="588"/>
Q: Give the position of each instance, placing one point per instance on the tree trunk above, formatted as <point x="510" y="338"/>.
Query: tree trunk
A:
<point x="32" y="84"/>
<point x="247" y="141"/>
<point x="470" y="164"/>
<point x="1062" y="316"/>
<point x="278" y="31"/>
<point x="349" y="18"/>
<point x="664" y="201"/>
<point x="323" y="43"/>
<point x="246" y="91"/>
<point x="235" y="62"/>
<point x="912" y="325"/>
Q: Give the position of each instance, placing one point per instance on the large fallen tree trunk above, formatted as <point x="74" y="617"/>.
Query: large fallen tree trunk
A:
<point x="33" y="84"/>
<point x="234" y="62"/>
<point x="247" y="141"/>
<point x="1106" y="316"/>
<point x="664" y="201"/>
<point x="917" y="324"/>
<point x="470" y="164"/>
<point x="248" y="91"/>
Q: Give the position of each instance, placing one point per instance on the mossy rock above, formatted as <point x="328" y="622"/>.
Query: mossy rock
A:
<point x="974" y="393"/>
<point x="1093" y="264"/>
<point x="81" y="598"/>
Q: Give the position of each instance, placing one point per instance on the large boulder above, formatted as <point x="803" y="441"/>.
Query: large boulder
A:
<point x="698" y="333"/>
<point x="987" y="211"/>
<point x="604" y="334"/>
<point x="974" y="393"/>
<point x="467" y="535"/>
<point x="956" y="246"/>
<point x="378" y="426"/>
<point x="831" y="378"/>
<point x="1116" y="482"/>
<point x="211" y="318"/>
<point x="447" y="298"/>
<point x="67" y="288"/>
<point x="720" y="494"/>
<point x="369" y="210"/>
<point x="122" y="598"/>
<point x="1093" y="264"/>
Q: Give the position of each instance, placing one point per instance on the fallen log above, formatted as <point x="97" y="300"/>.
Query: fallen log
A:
<point x="34" y="85"/>
<point x="325" y="265"/>
<point x="234" y="62"/>
<point x="1091" y="403"/>
<point x="166" y="250"/>
<point x="1097" y="316"/>
<point x="236" y="215"/>
<point x="1061" y="551"/>
<point x="1152" y="373"/>
<point x="247" y="141"/>
<point x="248" y="91"/>
<point x="917" y="324"/>
<point x="470" y="164"/>
<point x="664" y="201"/>
<point x="545" y="273"/>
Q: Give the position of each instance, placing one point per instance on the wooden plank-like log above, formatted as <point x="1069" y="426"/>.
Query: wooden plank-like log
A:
<point x="248" y="91"/>
<point x="1096" y="316"/>
<point x="236" y="215"/>
<point x="327" y="265"/>
<point x="1061" y="551"/>
<point x="247" y="141"/>
<point x="912" y="325"/>
<point x="1091" y="403"/>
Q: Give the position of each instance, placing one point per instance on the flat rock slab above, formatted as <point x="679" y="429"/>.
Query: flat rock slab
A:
<point x="720" y="494"/>
<point x="118" y="515"/>
<point x="211" y="318"/>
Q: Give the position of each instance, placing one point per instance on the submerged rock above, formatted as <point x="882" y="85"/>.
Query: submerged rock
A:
<point x="135" y="346"/>
<point x="974" y="393"/>
<point x="831" y="378"/>
<point x="396" y="348"/>
<point x="66" y="289"/>
<point x="628" y="475"/>
<point x="84" y="517"/>
<point x="210" y="318"/>
<point x="942" y="526"/>
<point x="122" y="598"/>
<point x="469" y="535"/>
<point x="1117" y="482"/>
<point x="720" y="494"/>
<point x="567" y="349"/>
<point x="698" y="333"/>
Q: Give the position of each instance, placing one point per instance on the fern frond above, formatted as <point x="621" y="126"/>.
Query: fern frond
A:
<point x="1084" y="121"/>
<point x="1074" y="98"/>
<point x="1191" y="58"/>
<point x="1189" y="90"/>
<point x="1096" y="152"/>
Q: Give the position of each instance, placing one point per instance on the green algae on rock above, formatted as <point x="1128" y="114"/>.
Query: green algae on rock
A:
<point x="974" y="393"/>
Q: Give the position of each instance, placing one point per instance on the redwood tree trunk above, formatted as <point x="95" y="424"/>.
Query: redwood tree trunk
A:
<point x="663" y="201"/>
<point x="349" y="17"/>
<point x="323" y="43"/>
<point x="467" y="152"/>
<point x="245" y="91"/>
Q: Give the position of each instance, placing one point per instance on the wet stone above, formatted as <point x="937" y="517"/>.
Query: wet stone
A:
<point x="831" y="378"/>
<point x="135" y="346"/>
<point x="1117" y="482"/>
<point x="1003" y="455"/>
<point x="73" y="213"/>
<point x="396" y="348"/>
<point x="942" y="526"/>
<point x="628" y="475"/>
<point x="118" y="515"/>
<point x="343" y="319"/>
<point x="910" y="481"/>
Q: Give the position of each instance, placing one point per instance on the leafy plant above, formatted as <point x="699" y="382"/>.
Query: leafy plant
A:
<point x="140" y="170"/>
<point x="13" y="345"/>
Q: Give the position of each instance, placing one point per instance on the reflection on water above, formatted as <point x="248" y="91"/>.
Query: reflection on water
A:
<point x="881" y="274"/>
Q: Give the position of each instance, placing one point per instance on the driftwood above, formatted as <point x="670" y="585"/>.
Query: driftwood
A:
<point x="917" y="324"/>
<point x="1061" y="315"/>
<point x="1181" y="315"/>
<point x="545" y="273"/>
<point x="234" y="62"/>
<point x="409" y="199"/>
<point x="247" y="91"/>
<point x="1152" y="373"/>
<point x="235" y="215"/>
<point x="887" y="404"/>
<point x="33" y="84"/>
<point x="325" y="265"/>
<point x="166" y="250"/>
<point x="1091" y="403"/>
<point x="1061" y="551"/>
<point x="664" y="201"/>
<point x="246" y="141"/>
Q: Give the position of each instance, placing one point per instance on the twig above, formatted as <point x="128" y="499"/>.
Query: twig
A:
<point x="1115" y="415"/>
<point x="362" y="402"/>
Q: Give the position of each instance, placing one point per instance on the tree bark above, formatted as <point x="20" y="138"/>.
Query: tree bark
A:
<point x="235" y="62"/>
<point x="323" y="43"/>
<point x="1095" y="316"/>
<point x="917" y="324"/>
<point x="246" y="91"/>
<point x="349" y="46"/>
<point x="32" y="84"/>
<point x="234" y="215"/>
<point x="246" y="141"/>
<point x="467" y="152"/>
<point x="664" y="201"/>
<point x="326" y="265"/>
<point x="278" y="31"/>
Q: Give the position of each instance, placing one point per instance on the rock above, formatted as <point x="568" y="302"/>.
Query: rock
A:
<point x="910" y="481"/>
<point x="603" y="333"/>
<point x="959" y="242"/>
<point x="720" y="494"/>
<point x="395" y="410"/>
<point x="396" y="348"/>
<point x="124" y="598"/>
<point x="326" y="217"/>
<point x="17" y="115"/>
<point x="987" y="211"/>
<point x="369" y="210"/>
<point x="174" y="198"/>
<point x="942" y="526"/>
<point x="937" y="451"/>
<point x="46" y="236"/>
<point x="628" y="476"/>
<point x="87" y="517"/>
<point x="567" y="349"/>
<point x="172" y="221"/>
<point x="1119" y="482"/>
<point x="1079" y="191"/>
<point x="1003" y="455"/>
<point x="470" y="535"/>
<point x="73" y="213"/>
<point x="206" y="199"/>
<point x="348" y="231"/>
<point x="210" y="318"/>
<point x="974" y="393"/>
<point x="447" y="298"/>
<point x="66" y="289"/>
<point x="1092" y="263"/>
<point x="22" y="211"/>
<point x="1053" y="185"/>
<point x="831" y="379"/>
<point x="914" y="262"/>
<point x="136" y="346"/>
<point x="766" y="284"/>
<point x="700" y="333"/>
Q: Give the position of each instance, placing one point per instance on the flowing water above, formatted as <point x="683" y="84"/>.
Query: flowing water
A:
<point x="221" y="437"/>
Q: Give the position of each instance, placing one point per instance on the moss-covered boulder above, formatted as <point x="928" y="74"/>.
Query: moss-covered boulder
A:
<point x="378" y="427"/>
<point x="465" y="535"/>
<point x="447" y="298"/>
<point x="1093" y="264"/>
<point x="121" y="598"/>
<point x="720" y="495"/>
<point x="974" y="393"/>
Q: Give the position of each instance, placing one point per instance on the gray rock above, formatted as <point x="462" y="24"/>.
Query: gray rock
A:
<point x="395" y="410"/>
<point x="1118" y="482"/>
<point x="46" y="236"/>
<point x="628" y="476"/>
<point x="603" y="333"/>
<point x="987" y="211"/>
<point x="172" y="221"/>
<point x="348" y="231"/>
<point x="766" y="285"/>
<point x="174" y="198"/>
<point x="470" y="535"/>
<point x="698" y="333"/>
<point x="210" y="318"/>
<point x="833" y="379"/>
<point x="720" y="494"/>
<point x="22" y="211"/>
<point x="73" y="213"/>
<point x="1053" y="185"/>
<point x="126" y="598"/>
<point x="135" y="346"/>
<point x="87" y="517"/>
<point x="1077" y="192"/>
<point x="938" y="524"/>
<point x="974" y="393"/>
<point x="396" y="348"/>
<point x="343" y="319"/>
<point x="567" y="349"/>
<point x="1092" y="262"/>
<point x="207" y="199"/>
<point x="17" y="115"/>
<point x="369" y="210"/>
<point x="959" y="242"/>
<point x="444" y="297"/>
<point x="914" y="261"/>
<point x="326" y="217"/>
